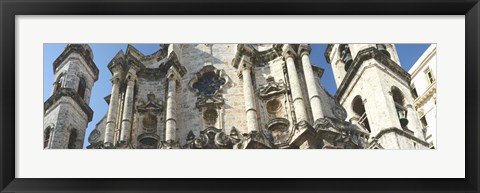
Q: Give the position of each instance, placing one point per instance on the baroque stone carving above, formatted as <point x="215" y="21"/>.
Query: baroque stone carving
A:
<point x="94" y="136"/>
<point x="272" y="88"/>
<point x="213" y="138"/>
<point x="338" y="133"/>
<point x="152" y="105"/>
<point x="279" y="129"/>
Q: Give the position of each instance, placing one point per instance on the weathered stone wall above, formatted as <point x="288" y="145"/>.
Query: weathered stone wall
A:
<point x="66" y="115"/>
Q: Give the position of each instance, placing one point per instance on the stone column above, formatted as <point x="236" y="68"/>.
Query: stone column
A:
<point x="315" y="102"/>
<point x="127" y="109"/>
<point x="171" y="122"/>
<point x="414" y="122"/>
<point x="248" y="93"/>
<point x="112" y="112"/>
<point x="298" y="104"/>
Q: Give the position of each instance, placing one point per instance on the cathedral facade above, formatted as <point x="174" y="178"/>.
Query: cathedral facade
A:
<point x="236" y="96"/>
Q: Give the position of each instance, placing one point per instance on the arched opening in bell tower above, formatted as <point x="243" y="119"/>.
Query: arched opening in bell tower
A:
<point x="72" y="139"/>
<point x="46" y="136"/>
<point x="359" y="109"/>
<point x="399" y="100"/>
<point x="82" y="85"/>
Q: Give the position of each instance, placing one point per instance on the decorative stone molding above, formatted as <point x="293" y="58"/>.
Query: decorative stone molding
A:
<point x="212" y="138"/>
<point x="271" y="89"/>
<point x="209" y="101"/>
<point x="170" y="144"/>
<point x="148" y="140"/>
<point x="216" y="73"/>
<point x="401" y="132"/>
<point x="151" y="105"/>
<point x="340" y="134"/>
<point x="279" y="129"/>
<point x="339" y="112"/>
<point x="255" y="140"/>
<point x="68" y="92"/>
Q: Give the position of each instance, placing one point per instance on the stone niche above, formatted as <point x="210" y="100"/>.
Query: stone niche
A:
<point x="150" y="115"/>
<point x="208" y="84"/>
<point x="273" y="102"/>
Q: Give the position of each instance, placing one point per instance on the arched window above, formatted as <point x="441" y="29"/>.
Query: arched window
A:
<point x="359" y="109"/>
<point x="82" y="85"/>
<point x="399" y="100"/>
<point x="46" y="136"/>
<point x="58" y="84"/>
<point x="72" y="139"/>
<point x="346" y="56"/>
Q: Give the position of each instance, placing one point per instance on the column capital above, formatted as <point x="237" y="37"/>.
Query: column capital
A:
<point x="245" y="64"/>
<point x="173" y="74"/>
<point x="288" y="51"/>
<point x="304" y="49"/>
<point x="115" y="79"/>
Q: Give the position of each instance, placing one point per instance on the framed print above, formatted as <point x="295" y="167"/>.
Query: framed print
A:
<point x="239" y="96"/>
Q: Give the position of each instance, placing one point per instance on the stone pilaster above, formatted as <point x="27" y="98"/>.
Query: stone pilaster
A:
<point x="298" y="103"/>
<point x="313" y="96"/>
<point x="248" y="93"/>
<point x="128" y="108"/>
<point x="414" y="122"/>
<point x="112" y="112"/>
<point x="171" y="121"/>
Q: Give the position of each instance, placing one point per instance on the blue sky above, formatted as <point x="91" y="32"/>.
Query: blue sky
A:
<point x="103" y="53"/>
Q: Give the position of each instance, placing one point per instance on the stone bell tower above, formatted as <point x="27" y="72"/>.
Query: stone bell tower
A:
<point x="375" y="91"/>
<point x="66" y="112"/>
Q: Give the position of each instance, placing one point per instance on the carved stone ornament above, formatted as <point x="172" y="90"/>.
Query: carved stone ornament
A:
<point x="208" y="81"/>
<point x="338" y="133"/>
<point x="271" y="89"/>
<point x="279" y="129"/>
<point x="210" y="102"/>
<point x="339" y="112"/>
<point x="94" y="135"/>
<point x="213" y="138"/>
<point x="149" y="140"/>
<point x="152" y="105"/>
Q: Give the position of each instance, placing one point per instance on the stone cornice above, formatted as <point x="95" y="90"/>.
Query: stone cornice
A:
<point x="86" y="54"/>
<point x="328" y="51"/>
<point x="68" y="92"/>
<point x="175" y="63"/>
<point x="242" y="49"/>
<point x="401" y="132"/>
<point x="429" y="93"/>
<point x="134" y="52"/>
<point x="256" y="57"/>
<point x="364" y="55"/>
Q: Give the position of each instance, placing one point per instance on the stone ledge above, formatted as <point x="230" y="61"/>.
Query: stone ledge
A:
<point x="403" y="133"/>
<point x="68" y="92"/>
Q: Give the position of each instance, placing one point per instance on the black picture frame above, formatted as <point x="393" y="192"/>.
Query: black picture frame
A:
<point x="9" y="9"/>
